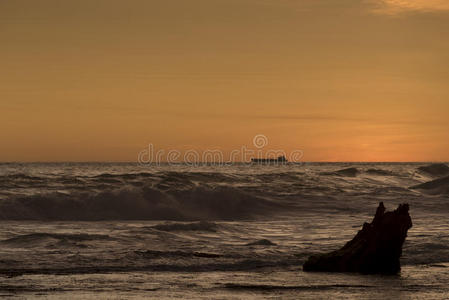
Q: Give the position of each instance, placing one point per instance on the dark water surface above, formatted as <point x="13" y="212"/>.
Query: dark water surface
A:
<point x="100" y="230"/>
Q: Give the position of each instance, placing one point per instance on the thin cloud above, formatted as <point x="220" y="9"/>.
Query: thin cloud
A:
<point x="312" y="118"/>
<point x="400" y="6"/>
<point x="300" y="117"/>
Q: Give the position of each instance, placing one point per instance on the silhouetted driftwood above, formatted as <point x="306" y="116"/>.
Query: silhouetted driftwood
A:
<point x="375" y="249"/>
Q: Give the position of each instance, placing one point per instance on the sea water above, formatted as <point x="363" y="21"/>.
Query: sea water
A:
<point x="124" y="231"/>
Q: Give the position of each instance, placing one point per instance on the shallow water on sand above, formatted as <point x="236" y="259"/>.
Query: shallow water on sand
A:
<point x="413" y="283"/>
<point x="125" y="231"/>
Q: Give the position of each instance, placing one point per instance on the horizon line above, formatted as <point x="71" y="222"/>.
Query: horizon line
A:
<point x="205" y="162"/>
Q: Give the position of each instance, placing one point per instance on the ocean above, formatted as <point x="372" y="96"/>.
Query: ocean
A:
<point x="241" y="231"/>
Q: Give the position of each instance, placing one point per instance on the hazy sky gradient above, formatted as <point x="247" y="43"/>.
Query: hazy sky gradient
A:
<point x="342" y="80"/>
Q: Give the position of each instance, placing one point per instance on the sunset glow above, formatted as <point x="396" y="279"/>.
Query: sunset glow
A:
<point x="100" y="80"/>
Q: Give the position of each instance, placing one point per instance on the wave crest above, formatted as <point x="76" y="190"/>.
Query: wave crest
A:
<point x="435" y="187"/>
<point x="145" y="203"/>
<point x="194" y="226"/>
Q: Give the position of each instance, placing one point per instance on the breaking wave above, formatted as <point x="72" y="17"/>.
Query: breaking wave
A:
<point x="348" y="172"/>
<point x="435" y="170"/>
<point x="435" y="187"/>
<point x="52" y="239"/>
<point x="380" y="172"/>
<point x="145" y="203"/>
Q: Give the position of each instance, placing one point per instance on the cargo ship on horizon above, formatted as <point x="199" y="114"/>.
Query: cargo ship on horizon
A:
<point x="278" y="160"/>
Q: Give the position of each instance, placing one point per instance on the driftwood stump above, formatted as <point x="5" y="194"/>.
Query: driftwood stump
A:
<point x="375" y="249"/>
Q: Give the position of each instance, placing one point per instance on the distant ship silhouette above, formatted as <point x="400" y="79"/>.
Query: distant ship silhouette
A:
<point x="279" y="159"/>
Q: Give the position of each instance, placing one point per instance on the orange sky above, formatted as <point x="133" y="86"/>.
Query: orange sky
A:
<point x="341" y="80"/>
